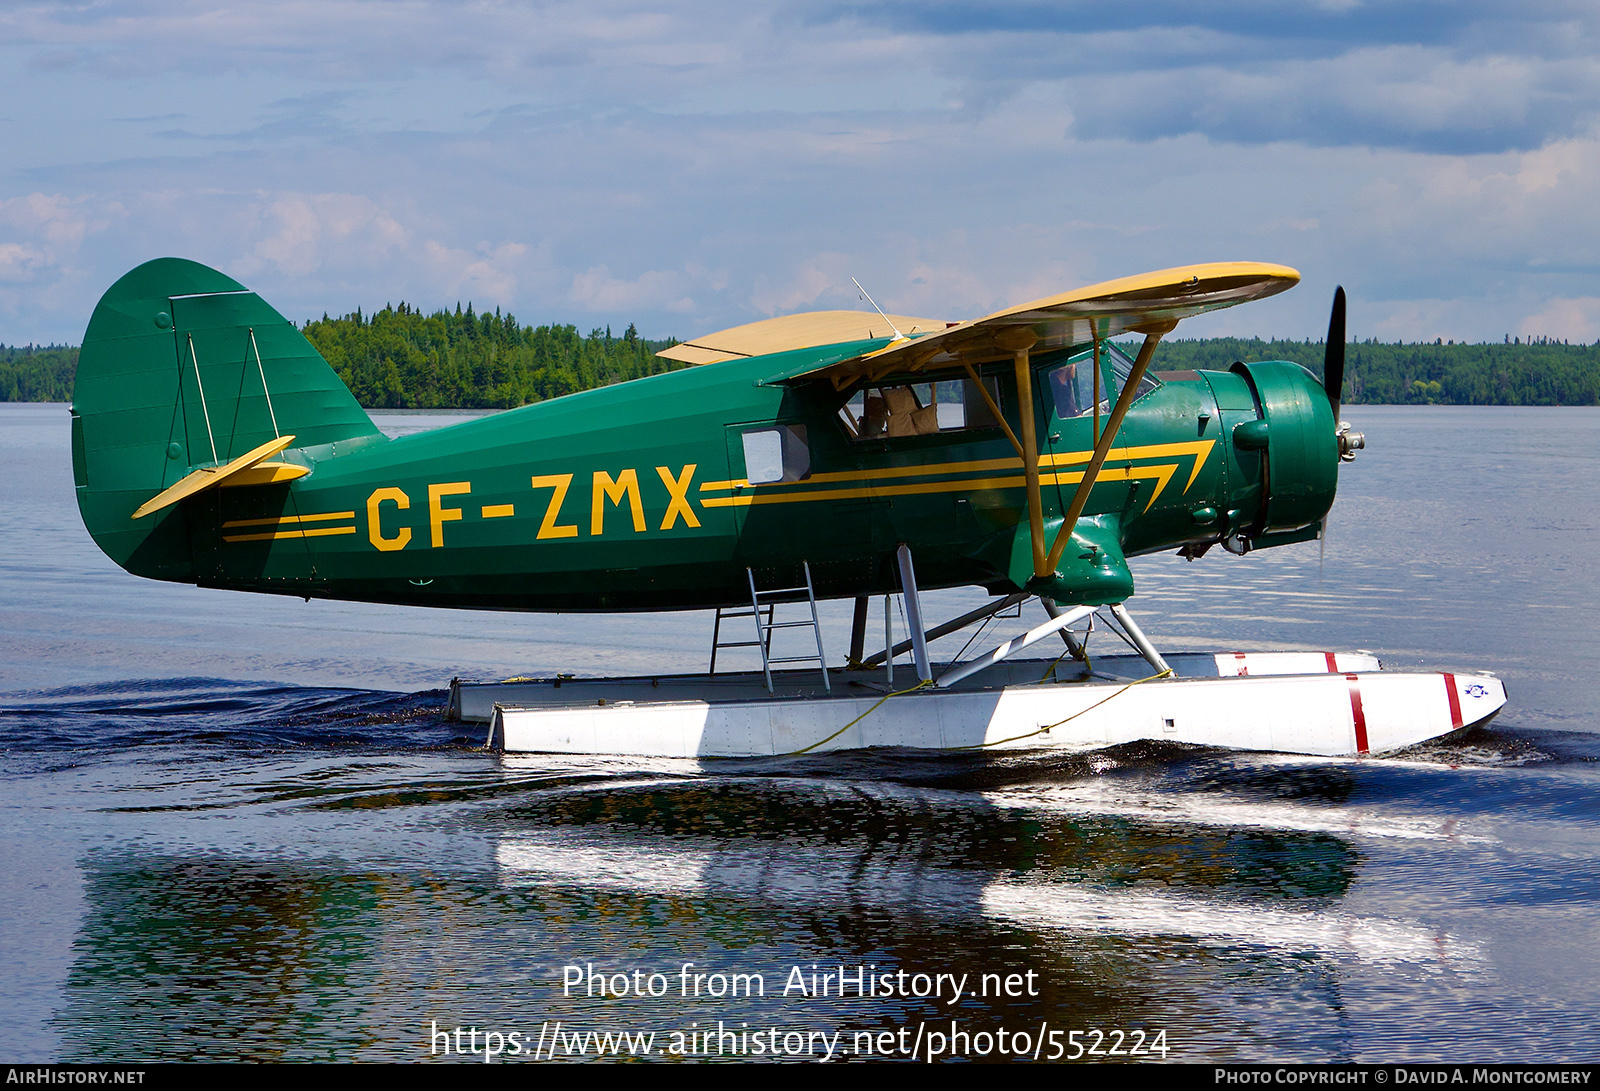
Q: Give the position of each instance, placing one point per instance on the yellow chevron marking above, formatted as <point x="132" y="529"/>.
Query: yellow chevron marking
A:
<point x="1160" y="474"/>
<point x="1199" y="449"/>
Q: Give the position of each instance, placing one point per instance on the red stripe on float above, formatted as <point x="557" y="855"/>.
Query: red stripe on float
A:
<point x="1359" y="717"/>
<point x="1455" y="700"/>
<point x="1333" y="666"/>
<point x="1244" y="669"/>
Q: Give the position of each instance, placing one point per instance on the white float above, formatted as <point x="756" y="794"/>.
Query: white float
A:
<point x="1319" y="703"/>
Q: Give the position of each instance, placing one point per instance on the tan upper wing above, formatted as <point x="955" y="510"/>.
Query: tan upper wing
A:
<point x="1130" y="305"/>
<point x="796" y="331"/>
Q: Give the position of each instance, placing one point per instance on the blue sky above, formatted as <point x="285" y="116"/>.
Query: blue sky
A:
<point x="686" y="170"/>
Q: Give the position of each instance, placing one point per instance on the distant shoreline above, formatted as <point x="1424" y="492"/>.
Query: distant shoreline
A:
<point x="398" y="358"/>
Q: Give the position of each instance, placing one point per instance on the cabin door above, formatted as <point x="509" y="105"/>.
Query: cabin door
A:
<point x="1075" y="420"/>
<point x="1065" y="393"/>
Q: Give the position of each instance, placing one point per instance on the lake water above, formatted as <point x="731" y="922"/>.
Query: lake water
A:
<point x="238" y="827"/>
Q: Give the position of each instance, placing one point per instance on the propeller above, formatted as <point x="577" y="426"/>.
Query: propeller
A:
<point x="1333" y="379"/>
<point x="1333" y="361"/>
<point x="1349" y="442"/>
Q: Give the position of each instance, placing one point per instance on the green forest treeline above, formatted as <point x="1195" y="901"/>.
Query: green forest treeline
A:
<point x="399" y="358"/>
<point x="37" y="374"/>
<point x="1541" y="371"/>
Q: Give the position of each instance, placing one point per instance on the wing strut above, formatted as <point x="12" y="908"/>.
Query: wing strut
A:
<point x="1130" y="390"/>
<point x="1017" y="340"/>
<point x="994" y="409"/>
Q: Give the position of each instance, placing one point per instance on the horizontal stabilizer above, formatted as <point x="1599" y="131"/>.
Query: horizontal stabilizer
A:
<point x="251" y="468"/>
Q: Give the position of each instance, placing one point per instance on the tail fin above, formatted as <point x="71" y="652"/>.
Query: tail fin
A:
<point x="181" y="368"/>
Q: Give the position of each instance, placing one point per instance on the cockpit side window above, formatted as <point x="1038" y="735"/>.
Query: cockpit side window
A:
<point x="1072" y="383"/>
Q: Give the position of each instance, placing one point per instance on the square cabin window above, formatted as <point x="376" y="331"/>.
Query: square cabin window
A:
<point x="778" y="454"/>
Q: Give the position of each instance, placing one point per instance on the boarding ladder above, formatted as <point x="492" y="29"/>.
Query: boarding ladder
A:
<point x="763" y="605"/>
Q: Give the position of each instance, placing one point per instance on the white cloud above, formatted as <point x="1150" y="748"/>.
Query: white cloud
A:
<point x="59" y="221"/>
<point x="1417" y="319"/>
<point x="658" y="289"/>
<point x="1467" y="75"/>
<point x="311" y="229"/>
<point x="1429" y="98"/>
<point x="805" y="286"/>
<point x="944" y="276"/>
<point x="1569" y="319"/>
<point x="1521" y="209"/>
<point x="693" y="168"/>
<point x="487" y="274"/>
<point x="41" y="236"/>
<point x="19" y="262"/>
<point x="57" y="224"/>
<point x="966" y="273"/>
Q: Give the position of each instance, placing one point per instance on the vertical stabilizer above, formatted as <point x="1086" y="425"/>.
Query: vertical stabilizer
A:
<point x="183" y="367"/>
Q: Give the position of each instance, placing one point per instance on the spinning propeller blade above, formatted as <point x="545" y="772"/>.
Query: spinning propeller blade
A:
<point x="1333" y="361"/>
<point x="1333" y="380"/>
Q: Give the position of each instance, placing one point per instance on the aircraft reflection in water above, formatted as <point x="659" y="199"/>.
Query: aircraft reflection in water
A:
<point x="830" y="455"/>
<point x="1043" y="859"/>
<point x="1118" y="915"/>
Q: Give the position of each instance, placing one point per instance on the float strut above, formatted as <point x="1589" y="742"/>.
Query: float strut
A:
<point x="1012" y="646"/>
<point x="1140" y="641"/>
<point x="888" y="636"/>
<point x="908" y="588"/>
<point x="858" y="631"/>
<point x="948" y="627"/>
<point x="1073" y="646"/>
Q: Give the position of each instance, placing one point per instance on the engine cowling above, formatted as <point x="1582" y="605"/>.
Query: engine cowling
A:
<point x="1296" y="430"/>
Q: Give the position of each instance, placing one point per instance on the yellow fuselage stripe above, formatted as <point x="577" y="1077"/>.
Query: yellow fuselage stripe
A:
<point x="1160" y="474"/>
<point x="1198" y="449"/>
<point x="288" y="520"/>
<point x="313" y="532"/>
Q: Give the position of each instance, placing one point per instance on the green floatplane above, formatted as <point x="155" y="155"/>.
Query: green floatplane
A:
<point x="838" y="454"/>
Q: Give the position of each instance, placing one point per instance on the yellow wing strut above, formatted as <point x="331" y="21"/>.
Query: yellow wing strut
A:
<point x="1130" y="390"/>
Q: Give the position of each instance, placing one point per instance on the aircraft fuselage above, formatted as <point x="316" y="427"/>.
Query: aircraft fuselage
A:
<point x="638" y="496"/>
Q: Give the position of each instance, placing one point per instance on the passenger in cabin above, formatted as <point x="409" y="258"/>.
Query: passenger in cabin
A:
<point x="1072" y="387"/>
<point x="874" y="415"/>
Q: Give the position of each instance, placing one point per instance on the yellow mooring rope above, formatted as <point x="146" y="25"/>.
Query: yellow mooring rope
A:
<point x="1069" y="719"/>
<point x="981" y="745"/>
<point x="858" y="719"/>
